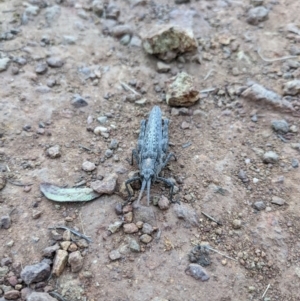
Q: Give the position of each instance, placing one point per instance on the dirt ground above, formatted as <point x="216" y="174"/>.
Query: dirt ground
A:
<point x="224" y="139"/>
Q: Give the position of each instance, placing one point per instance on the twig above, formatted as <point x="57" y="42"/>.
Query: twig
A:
<point x="126" y="87"/>
<point x="208" y="74"/>
<point x="19" y="184"/>
<point x="11" y="50"/>
<point x="221" y="253"/>
<point x="73" y="231"/>
<point x="84" y="147"/>
<point x="276" y="60"/>
<point x="208" y="90"/>
<point x="81" y="223"/>
<point x="57" y="296"/>
<point x="266" y="290"/>
<point x="9" y="11"/>
<point x="211" y="218"/>
<point x="7" y="167"/>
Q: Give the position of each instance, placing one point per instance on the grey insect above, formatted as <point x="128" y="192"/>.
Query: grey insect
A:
<point x="151" y="153"/>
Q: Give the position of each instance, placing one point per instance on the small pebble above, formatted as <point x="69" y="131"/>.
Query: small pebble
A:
<point x="130" y="228"/>
<point x="88" y="166"/>
<point x="114" y="255"/>
<point x="277" y="201"/>
<point x="236" y="224"/>
<point x="55" y="62"/>
<point x="295" y="163"/>
<point x="108" y="153"/>
<point x="113" y="144"/>
<point x="259" y="205"/>
<point x="280" y="126"/>
<point x="270" y="157"/>
<point x="54" y="152"/>
<point x="145" y="238"/>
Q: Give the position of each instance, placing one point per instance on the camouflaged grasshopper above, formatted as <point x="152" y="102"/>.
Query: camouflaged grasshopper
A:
<point x="151" y="153"/>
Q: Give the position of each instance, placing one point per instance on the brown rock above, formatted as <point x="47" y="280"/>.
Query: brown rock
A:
<point x="128" y="217"/>
<point x="145" y="238"/>
<point x="130" y="228"/>
<point x="167" y="41"/>
<point x="75" y="261"/>
<point x="72" y="248"/>
<point x="180" y="91"/>
<point x="12" y="295"/>
<point x="59" y="262"/>
<point x="65" y="245"/>
<point x="163" y="203"/>
<point x="277" y="200"/>
<point x="107" y="185"/>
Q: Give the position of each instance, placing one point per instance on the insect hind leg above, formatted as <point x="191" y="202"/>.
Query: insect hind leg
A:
<point x="165" y="135"/>
<point x="170" y="184"/>
<point x="127" y="188"/>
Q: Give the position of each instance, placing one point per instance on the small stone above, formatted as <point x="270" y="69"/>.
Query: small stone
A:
<point x="292" y="87"/>
<point x="130" y="228"/>
<point x="3" y="271"/>
<point x="113" y="228"/>
<point x="113" y="144"/>
<point x="69" y="40"/>
<point x="147" y="228"/>
<point x="78" y="101"/>
<point x="112" y="12"/>
<point x="2" y="181"/>
<point x="76" y="261"/>
<point x="37" y="296"/>
<point x="54" y="152"/>
<point x="56" y="236"/>
<point x="82" y="243"/>
<point x="168" y="41"/>
<point x="59" y="263"/>
<point x="280" y="126"/>
<point x="15" y="70"/>
<point x="49" y="251"/>
<point x="139" y="224"/>
<point x="294" y="129"/>
<point x="41" y="68"/>
<point x="118" y="208"/>
<point x="197" y="271"/>
<point x="185" y="125"/>
<point x="180" y="91"/>
<point x="36" y="214"/>
<point x="125" y="40"/>
<point x="270" y="157"/>
<point x="6" y="261"/>
<point x="35" y="273"/>
<point x="99" y="130"/>
<point x="128" y="217"/>
<point x="162" y="67"/>
<point x="40" y="131"/>
<point x="243" y="176"/>
<point x="277" y="201"/>
<point x="65" y="245"/>
<point x="102" y="119"/>
<point x="146" y="238"/>
<point x="107" y="185"/>
<point x="259" y="205"/>
<point x="134" y="245"/>
<point x="257" y="14"/>
<point x="67" y="235"/>
<point x="127" y="208"/>
<point x="187" y="214"/>
<point x="295" y="163"/>
<point x="88" y="166"/>
<point x="144" y="214"/>
<point x="55" y="62"/>
<point x="114" y="255"/>
<point x="73" y="247"/>
<point x="12" y="295"/>
<point x="98" y="7"/>
<point x="163" y="203"/>
<point x="237" y="224"/>
<point x="108" y="153"/>
<point x="5" y="222"/>
<point x="4" y="63"/>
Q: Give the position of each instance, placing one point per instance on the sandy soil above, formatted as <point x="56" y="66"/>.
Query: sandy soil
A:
<point x="223" y="139"/>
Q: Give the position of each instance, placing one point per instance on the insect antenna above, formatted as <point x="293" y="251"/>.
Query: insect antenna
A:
<point x="141" y="192"/>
